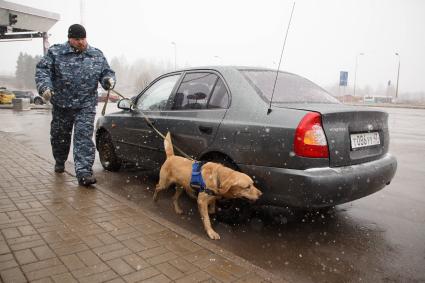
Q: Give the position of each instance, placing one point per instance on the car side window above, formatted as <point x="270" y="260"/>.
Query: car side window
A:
<point x="194" y="91"/>
<point x="220" y="97"/>
<point x="155" y="98"/>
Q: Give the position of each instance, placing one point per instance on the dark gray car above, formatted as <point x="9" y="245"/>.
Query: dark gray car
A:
<point x="36" y="99"/>
<point x="306" y="151"/>
<point x="24" y="94"/>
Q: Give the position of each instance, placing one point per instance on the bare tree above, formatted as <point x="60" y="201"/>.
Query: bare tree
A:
<point x="134" y="77"/>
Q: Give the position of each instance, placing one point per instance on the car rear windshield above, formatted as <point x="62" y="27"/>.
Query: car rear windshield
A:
<point x="290" y="88"/>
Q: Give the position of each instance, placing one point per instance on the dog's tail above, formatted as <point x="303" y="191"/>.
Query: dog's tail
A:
<point x="168" y="145"/>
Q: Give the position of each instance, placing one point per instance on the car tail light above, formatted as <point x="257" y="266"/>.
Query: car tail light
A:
<point x="310" y="139"/>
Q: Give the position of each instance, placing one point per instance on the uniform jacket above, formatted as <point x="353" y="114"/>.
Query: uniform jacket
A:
<point x="72" y="75"/>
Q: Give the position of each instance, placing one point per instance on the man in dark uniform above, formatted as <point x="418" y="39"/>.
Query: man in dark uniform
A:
<point x="68" y="76"/>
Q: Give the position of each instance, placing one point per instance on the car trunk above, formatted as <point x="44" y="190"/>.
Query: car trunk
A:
<point x="354" y="134"/>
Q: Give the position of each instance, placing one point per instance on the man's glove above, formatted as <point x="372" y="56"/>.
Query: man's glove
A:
<point x="109" y="83"/>
<point x="47" y="94"/>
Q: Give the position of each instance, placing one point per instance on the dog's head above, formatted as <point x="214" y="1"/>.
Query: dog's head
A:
<point x="230" y="183"/>
<point x="239" y="185"/>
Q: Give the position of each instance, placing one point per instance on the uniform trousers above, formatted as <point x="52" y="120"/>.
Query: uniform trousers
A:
<point x="64" y="120"/>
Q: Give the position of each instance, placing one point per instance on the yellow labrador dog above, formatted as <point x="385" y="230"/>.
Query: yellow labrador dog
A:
<point x="220" y="181"/>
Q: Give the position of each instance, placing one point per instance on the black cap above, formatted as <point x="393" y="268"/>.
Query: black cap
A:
<point x="76" y="31"/>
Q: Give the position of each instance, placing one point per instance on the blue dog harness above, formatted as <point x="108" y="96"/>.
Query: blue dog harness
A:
<point x="197" y="182"/>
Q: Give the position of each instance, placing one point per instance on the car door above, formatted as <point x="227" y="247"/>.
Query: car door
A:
<point x="198" y="107"/>
<point x="142" y="143"/>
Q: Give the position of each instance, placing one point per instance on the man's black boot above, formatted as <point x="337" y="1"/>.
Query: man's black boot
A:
<point x="87" y="180"/>
<point x="59" y="168"/>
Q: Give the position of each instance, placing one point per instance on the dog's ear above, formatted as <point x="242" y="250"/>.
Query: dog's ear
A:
<point x="219" y="178"/>
<point x="227" y="181"/>
<point x="210" y="175"/>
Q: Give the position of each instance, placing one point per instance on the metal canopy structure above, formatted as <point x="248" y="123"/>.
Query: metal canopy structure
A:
<point x="19" y="22"/>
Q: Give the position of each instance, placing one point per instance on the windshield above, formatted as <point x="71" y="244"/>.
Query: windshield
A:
<point x="290" y="88"/>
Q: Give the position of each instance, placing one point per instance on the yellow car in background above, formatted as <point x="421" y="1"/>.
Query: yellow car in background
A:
<point x="6" y="96"/>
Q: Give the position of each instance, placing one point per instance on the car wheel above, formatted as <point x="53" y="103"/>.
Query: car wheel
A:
<point x="232" y="211"/>
<point x="107" y="155"/>
<point x="38" y="101"/>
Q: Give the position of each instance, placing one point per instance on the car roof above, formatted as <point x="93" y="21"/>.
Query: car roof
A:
<point x="224" y="68"/>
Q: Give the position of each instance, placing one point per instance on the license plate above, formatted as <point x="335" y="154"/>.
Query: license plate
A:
<point x="364" y="140"/>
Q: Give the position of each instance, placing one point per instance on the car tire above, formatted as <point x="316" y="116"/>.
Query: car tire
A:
<point x="231" y="211"/>
<point x="38" y="101"/>
<point x="108" y="158"/>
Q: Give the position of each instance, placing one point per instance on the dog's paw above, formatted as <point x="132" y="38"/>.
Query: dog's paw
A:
<point x="155" y="196"/>
<point x="213" y="235"/>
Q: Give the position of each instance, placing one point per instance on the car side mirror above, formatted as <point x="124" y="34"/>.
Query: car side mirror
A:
<point x="124" y="104"/>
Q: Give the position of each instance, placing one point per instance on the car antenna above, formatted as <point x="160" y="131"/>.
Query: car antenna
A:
<point x="281" y="55"/>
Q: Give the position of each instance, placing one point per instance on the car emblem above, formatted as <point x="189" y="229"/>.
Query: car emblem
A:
<point x="370" y="127"/>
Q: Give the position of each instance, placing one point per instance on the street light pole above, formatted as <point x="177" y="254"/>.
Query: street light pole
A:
<point x="355" y="73"/>
<point x="175" y="54"/>
<point x="398" y="75"/>
<point x="82" y="12"/>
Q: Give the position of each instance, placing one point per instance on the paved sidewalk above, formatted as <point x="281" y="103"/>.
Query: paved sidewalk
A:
<point x="52" y="230"/>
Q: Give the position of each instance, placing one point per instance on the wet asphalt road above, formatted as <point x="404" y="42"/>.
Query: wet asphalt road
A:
<point x="380" y="238"/>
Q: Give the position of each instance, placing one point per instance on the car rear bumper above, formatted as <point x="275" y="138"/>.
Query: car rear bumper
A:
<point x="321" y="187"/>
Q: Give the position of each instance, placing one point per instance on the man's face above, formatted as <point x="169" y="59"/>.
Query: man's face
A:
<point x="78" y="43"/>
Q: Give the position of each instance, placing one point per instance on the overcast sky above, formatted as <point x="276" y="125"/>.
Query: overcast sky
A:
<point x="325" y="37"/>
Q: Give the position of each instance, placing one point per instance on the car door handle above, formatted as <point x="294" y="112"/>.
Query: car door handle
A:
<point x="206" y="129"/>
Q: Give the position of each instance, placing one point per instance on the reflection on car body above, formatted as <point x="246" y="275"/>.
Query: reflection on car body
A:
<point x="295" y="154"/>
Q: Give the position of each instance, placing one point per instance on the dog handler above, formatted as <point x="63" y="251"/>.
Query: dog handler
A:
<point x="68" y="76"/>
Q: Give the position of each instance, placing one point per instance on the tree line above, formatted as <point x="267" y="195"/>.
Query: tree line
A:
<point x="131" y="77"/>
<point x="134" y="77"/>
<point x="25" y="70"/>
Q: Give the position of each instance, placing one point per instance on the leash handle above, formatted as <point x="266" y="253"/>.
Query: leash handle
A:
<point x="106" y="102"/>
